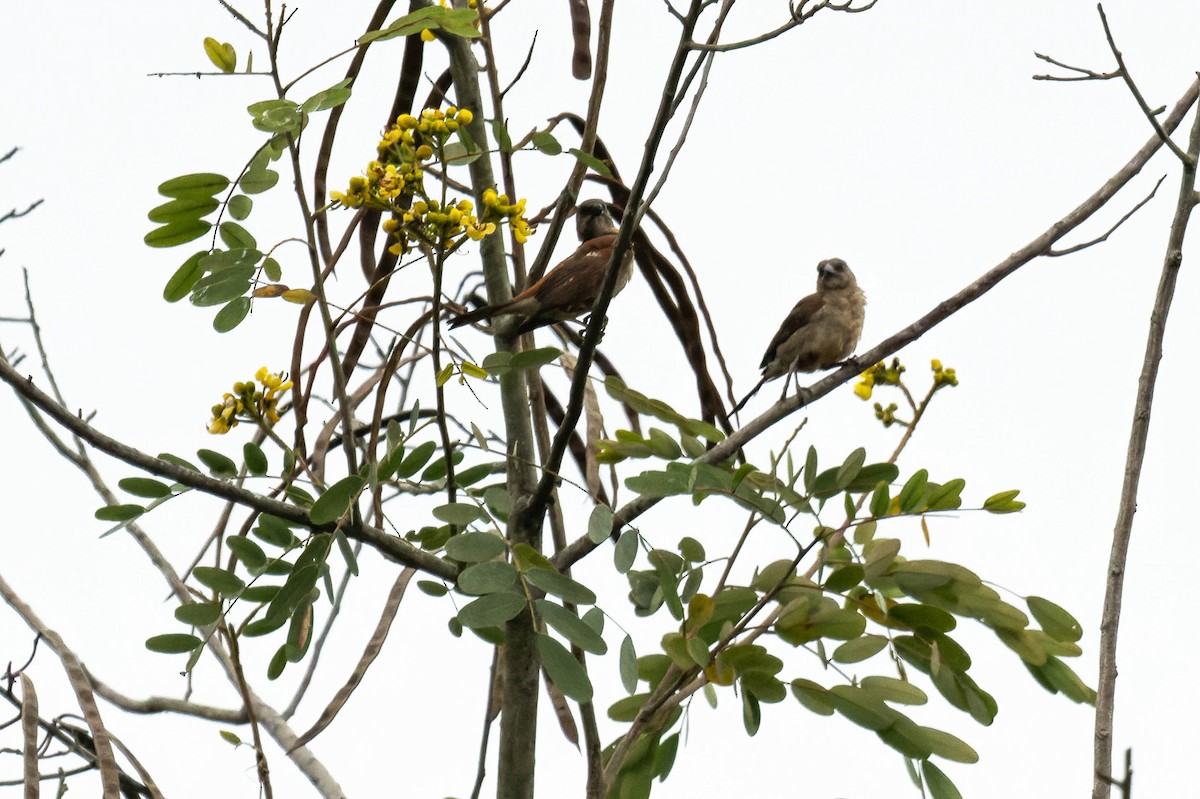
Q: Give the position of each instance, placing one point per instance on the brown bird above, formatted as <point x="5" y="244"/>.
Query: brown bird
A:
<point x="822" y="329"/>
<point x="571" y="287"/>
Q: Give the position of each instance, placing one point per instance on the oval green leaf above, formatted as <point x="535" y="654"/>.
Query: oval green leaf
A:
<point x="335" y="502"/>
<point x="173" y="643"/>
<point x="563" y="669"/>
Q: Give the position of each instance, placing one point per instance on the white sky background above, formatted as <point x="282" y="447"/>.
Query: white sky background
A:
<point x="908" y="140"/>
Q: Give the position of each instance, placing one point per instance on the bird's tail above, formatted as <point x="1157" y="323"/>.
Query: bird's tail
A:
<point x="473" y="316"/>
<point x="746" y="398"/>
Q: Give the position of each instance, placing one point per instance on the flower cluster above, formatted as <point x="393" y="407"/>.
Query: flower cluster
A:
<point x="394" y="182"/>
<point x="942" y="377"/>
<point x="496" y="207"/>
<point x="879" y="374"/>
<point x="249" y="403"/>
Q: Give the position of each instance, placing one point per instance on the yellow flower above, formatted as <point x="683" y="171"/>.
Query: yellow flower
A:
<point x="863" y="388"/>
<point x="427" y="35"/>
<point x="521" y="230"/>
<point x="477" y="231"/>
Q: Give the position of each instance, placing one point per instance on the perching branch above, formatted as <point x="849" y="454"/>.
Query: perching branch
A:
<point x="1039" y="246"/>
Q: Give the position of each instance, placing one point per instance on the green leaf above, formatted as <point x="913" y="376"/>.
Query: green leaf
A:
<point x="851" y="467"/>
<point x="231" y="315"/>
<point x="234" y="236"/>
<point x="272" y="269"/>
<point x="223" y="56"/>
<point x="625" y="552"/>
<point x="336" y="501"/>
<point x="248" y="552"/>
<point x="600" y="524"/>
<point x="751" y="713"/>
<point x="487" y="578"/>
<point x="628" y="665"/>
<point x="532" y="359"/>
<point x="178" y="461"/>
<point x="947" y="746"/>
<point x="596" y="165"/>
<point x="329" y="98"/>
<point x="198" y="614"/>
<point x="890" y="689"/>
<point x="571" y="627"/>
<point x="500" y="132"/>
<point x="416" y="459"/>
<point x="275" y="531"/>
<point x="561" y="586"/>
<point x="881" y="501"/>
<point x="812" y="696"/>
<point x="185" y="277"/>
<point x="230" y="737"/>
<point x="939" y="785"/>
<point x="218" y="465"/>
<point x="177" y="233"/>
<point x="859" y="649"/>
<point x="119" y="513"/>
<point x="240" y="206"/>
<point x="173" y="643"/>
<point x="1055" y="621"/>
<point x="278" y="663"/>
<point x="626" y="709"/>
<point x="459" y="22"/>
<point x="1003" y="502"/>
<point x="491" y="610"/>
<point x="432" y="588"/>
<point x="255" y="458"/>
<point x="913" y="492"/>
<point x="222" y="288"/>
<point x="546" y="143"/>
<point x="459" y="513"/>
<point x="200" y="183"/>
<point x="861" y="708"/>
<point x="946" y="497"/>
<point x="144" y="487"/>
<point x="845" y="578"/>
<point x="184" y="209"/>
<point x="473" y="475"/>
<point x="256" y="181"/>
<point x="475" y="547"/>
<point x="260" y="594"/>
<point x="222" y="581"/>
<point x="563" y="669"/>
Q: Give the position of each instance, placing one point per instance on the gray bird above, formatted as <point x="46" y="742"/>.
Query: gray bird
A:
<point x="822" y="329"/>
<point x="571" y="287"/>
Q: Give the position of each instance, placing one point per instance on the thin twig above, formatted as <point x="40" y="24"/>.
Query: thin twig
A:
<point x="1187" y="159"/>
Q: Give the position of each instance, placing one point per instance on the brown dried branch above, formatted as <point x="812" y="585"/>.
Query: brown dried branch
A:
<point x="1039" y="246"/>
<point x="1186" y="158"/>
<point x="1134" y="460"/>
<point x="374" y="646"/>
<point x="1084" y="74"/>
<point x="77" y="677"/>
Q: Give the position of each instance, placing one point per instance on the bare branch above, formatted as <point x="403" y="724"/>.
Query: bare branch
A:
<point x="1054" y="253"/>
<point x="1134" y="460"/>
<point x="1084" y="74"/>
<point x="1187" y="159"/>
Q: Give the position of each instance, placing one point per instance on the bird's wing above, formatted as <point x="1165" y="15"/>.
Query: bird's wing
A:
<point x="572" y="286"/>
<point x="802" y="313"/>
